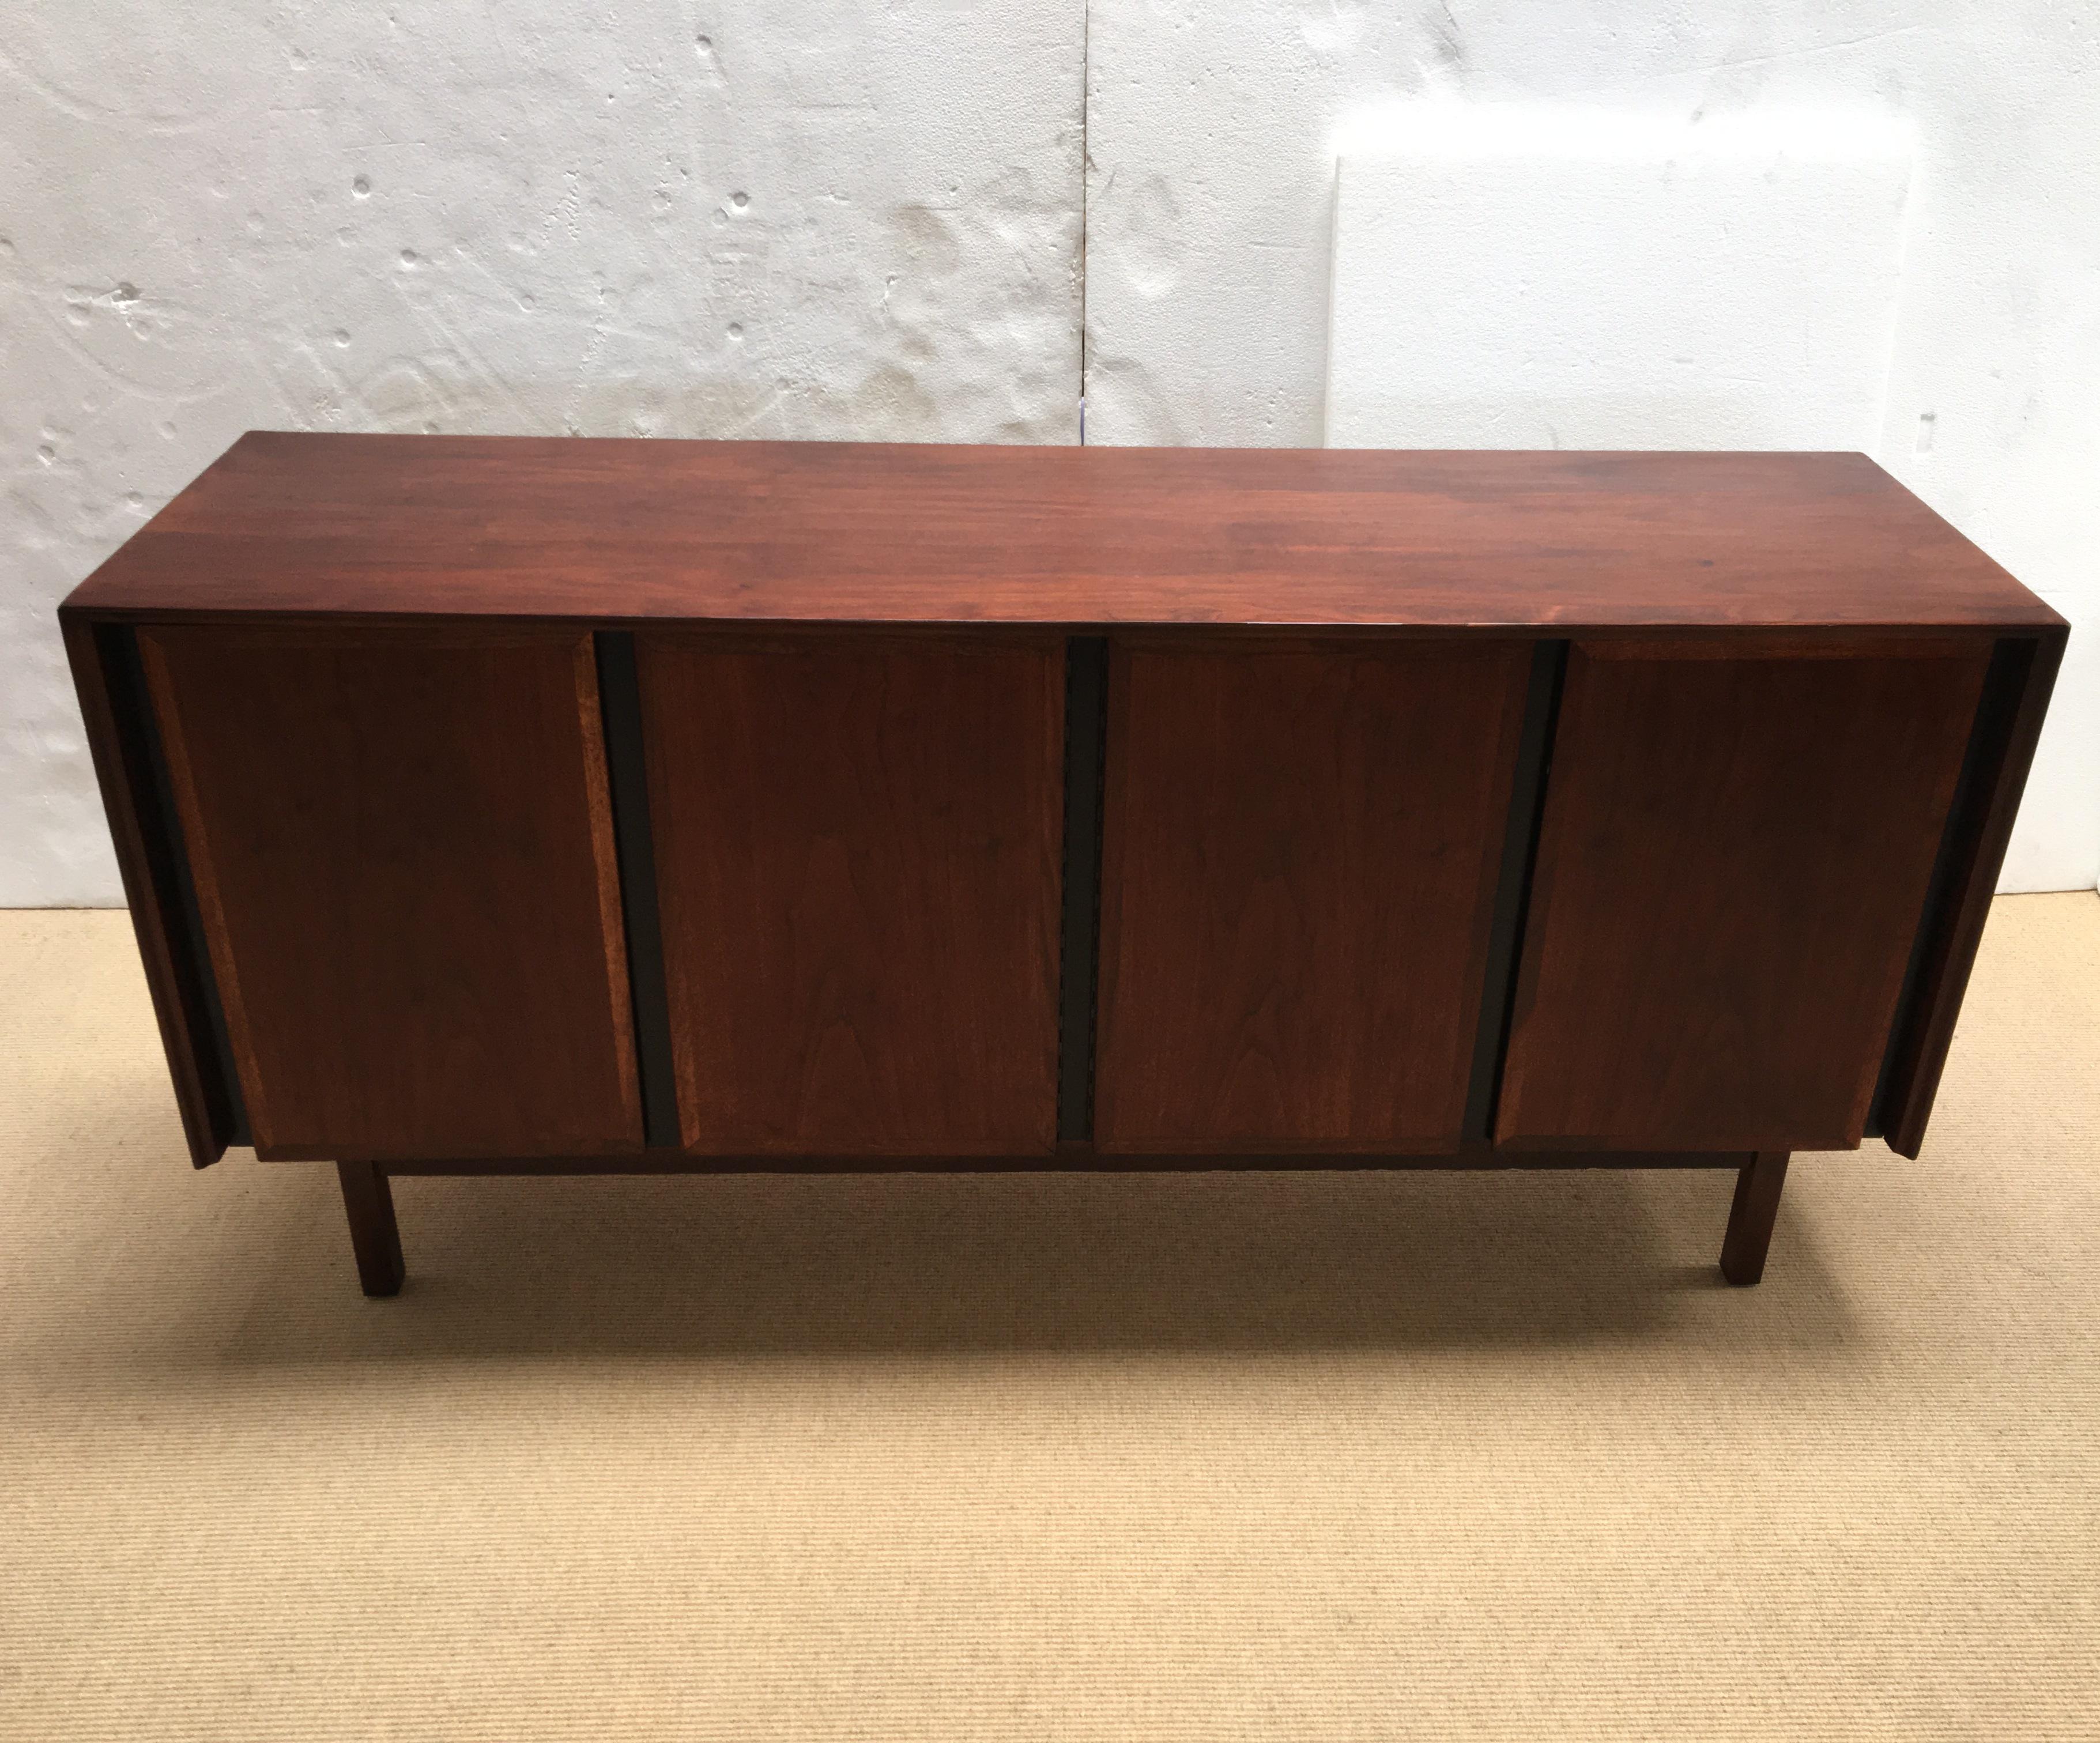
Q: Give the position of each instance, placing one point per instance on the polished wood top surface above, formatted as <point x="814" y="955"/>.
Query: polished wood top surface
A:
<point x="849" y="532"/>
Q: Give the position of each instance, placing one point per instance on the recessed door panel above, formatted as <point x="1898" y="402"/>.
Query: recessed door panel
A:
<point x="858" y="845"/>
<point x="1732" y="869"/>
<point x="1300" y="847"/>
<point x="405" y="862"/>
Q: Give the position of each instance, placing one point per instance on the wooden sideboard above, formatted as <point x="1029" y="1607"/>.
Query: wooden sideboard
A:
<point x="493" y="804"/>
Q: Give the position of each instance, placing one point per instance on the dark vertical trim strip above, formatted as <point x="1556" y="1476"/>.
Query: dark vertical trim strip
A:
<point x="1989" y="731"/>
<point x="627" y="776"/>
<point x="1086" y="744"/>
<point x="1527" y="811"/>
<point x="168" y="864"/>
<point x="1980" y="824"/>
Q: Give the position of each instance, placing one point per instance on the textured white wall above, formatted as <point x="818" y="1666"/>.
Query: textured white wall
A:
<point x="779" y="218"/>
<point x="1211" y="138"/>
<point x="1562" y="275"/>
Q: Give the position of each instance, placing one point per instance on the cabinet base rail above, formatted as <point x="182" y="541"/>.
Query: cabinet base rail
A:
<point x="376" y="1236"/>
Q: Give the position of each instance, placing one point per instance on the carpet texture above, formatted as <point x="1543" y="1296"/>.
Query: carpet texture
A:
<point x="1159" y="1458"/>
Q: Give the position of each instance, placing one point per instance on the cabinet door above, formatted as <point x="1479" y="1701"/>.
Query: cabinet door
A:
<point x="1300" y="848"/>
<point x="1733" y="867"/>
<point x="858" y="847"/>
<point x="405" y="862"/>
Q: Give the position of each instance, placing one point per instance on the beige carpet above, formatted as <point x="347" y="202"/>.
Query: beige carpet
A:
<point x="1167" y="1458"/>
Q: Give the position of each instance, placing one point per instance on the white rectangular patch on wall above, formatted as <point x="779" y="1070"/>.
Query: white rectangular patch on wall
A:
<point x="1521" y="276"/>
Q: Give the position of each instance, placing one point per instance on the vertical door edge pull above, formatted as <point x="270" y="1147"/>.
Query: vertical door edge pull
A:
<point x="620" y="699"/>
<point x="1979" y="822"/>
<point x="146" y="773"/>
<point x="1527" y="813"/>
<point x="1086" y="745"/>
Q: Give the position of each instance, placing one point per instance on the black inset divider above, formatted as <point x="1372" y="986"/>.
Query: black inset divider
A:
<point x="1997" y="709"/>
<point x="1534" y="755"/>
<point x="619" y="701"/>
<point x="1086" y="743"/>
<point x="160" y="824"/>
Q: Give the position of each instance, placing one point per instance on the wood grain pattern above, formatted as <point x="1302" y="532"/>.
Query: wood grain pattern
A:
<point x="1300" y="850"/>
<point x="404" y="859"/>
<point x="1732" y="867"/>
<point x="857" y="845"/>
<point x="525" y="527"/>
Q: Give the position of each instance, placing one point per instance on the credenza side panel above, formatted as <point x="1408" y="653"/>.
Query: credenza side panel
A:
<point x="404" y="863"/>
<point x="858" y="841"/>
<point x="1300" y="847"/>
<point x="1732" y="869"/>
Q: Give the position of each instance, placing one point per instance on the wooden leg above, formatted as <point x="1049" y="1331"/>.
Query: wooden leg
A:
<point x="1750" y="1218"/>
<point x="374" y="1235"/>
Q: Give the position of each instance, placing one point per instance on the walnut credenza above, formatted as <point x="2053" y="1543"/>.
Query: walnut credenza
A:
<point x="493" y="804"/>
